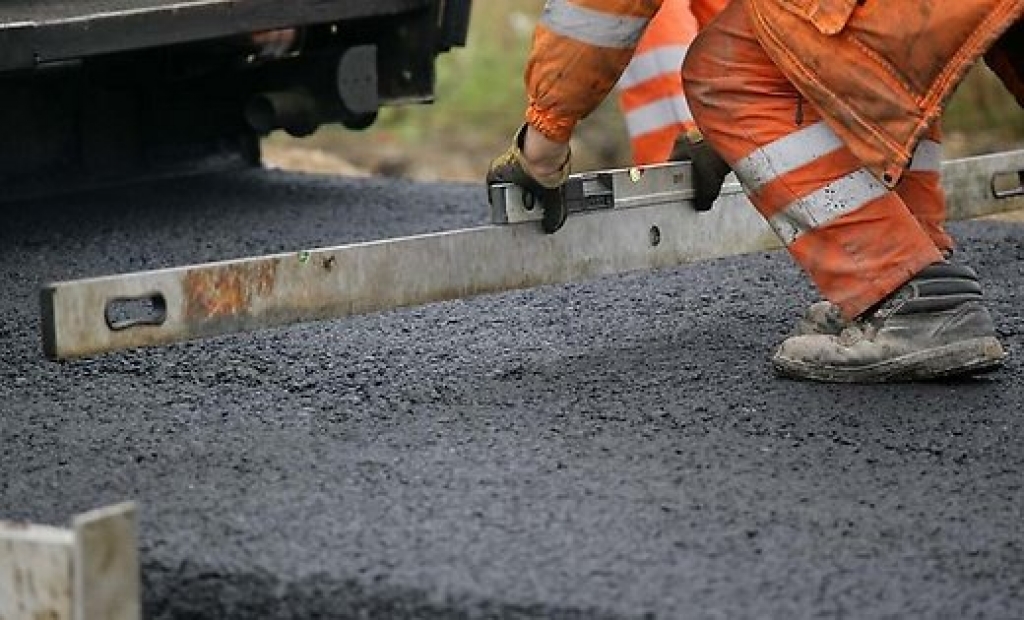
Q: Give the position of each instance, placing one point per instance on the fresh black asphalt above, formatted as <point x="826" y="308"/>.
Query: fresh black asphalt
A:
<point x="616" y="448"/>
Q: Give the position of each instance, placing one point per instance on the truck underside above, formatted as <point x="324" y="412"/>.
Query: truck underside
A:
<point x="102" y="90"/>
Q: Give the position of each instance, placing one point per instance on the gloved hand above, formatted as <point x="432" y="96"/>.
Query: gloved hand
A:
<point x="548" y="190"/>
<point x="709" y="169"/>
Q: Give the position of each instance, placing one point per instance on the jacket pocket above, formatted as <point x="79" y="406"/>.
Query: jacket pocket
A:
<point x="828" y="16"/>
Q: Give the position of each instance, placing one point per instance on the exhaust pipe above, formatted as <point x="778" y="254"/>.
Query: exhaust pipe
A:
<point x="354" y="99"/>
<point x="295" y="111"/>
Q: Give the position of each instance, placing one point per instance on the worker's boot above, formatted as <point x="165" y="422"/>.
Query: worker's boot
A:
<point x="933" y="326"/>
<point x="821" y="318"/>
<point x="825" y="318"/>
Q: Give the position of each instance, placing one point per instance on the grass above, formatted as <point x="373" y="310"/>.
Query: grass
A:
<point x="481" y="96"/>
<point x="982" y="117"/>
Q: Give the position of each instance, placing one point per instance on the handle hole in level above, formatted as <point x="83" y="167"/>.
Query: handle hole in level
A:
<point x="127" y="312"/>
<point x="1008" y="184"/>
<point x="655" y="236"/>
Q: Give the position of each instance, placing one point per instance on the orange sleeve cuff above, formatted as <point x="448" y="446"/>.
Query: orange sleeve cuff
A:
<point x="553" y="127"/>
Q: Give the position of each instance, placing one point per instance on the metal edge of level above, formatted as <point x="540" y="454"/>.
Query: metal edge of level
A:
<point x="90" y="571"/>
<point x="220" y="298"/>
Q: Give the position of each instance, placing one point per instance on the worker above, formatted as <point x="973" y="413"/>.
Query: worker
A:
<point x="650" y="90"/>
<point x="820" y="108"/>
<point x="650" y="94"/>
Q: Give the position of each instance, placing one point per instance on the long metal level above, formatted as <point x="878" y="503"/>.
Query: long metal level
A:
<point x="620" y="220"/>
<point x="89" y="571"/>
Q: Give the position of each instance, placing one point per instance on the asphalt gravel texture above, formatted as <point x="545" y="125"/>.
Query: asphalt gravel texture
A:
<point x="616" y="448"/>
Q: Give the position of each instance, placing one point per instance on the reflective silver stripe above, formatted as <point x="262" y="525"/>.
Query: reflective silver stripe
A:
<point x="661" y="61"/>
<point x="657" y="115"/>
<point x="927" y="157"/>
<point x="593" y="27"/>
<point x="786" y="154"/>
<point x="842" y="196"/>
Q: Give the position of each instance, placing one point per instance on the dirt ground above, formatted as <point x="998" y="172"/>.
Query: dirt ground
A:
<point x="421" y="152"/>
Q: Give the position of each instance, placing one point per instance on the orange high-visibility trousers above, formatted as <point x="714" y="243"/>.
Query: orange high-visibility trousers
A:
<point x="650" y="90"/>
<point x="857" y="240"/>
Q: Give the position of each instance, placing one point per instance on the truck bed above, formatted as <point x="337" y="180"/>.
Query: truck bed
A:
<point x="38" y="11"/>
<point x="37" y="32"/>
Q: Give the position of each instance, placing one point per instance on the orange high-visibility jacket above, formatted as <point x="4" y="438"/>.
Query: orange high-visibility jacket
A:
<point x="879" y="71"/>
<point x="650" y="89"/>
<point x="580" y="48"/>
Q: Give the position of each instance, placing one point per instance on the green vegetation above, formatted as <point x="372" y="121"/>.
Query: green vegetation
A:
<point x="480" y="102"/>
<point x="480" y="99"/>
<point x="982" y="116"/>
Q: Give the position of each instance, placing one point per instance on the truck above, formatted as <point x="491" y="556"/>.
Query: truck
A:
<point x="97" y="91"/>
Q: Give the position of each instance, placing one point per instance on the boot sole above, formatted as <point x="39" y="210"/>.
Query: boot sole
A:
<point x="958" y="359"/>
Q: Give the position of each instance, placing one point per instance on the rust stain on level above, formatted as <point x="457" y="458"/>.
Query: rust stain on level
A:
<point x="219" y="292"/>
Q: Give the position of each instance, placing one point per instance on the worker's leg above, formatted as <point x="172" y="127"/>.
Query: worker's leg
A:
<point x="921" y="189"/>
<point x="650" y="90"/>
<point x="858" y="241"/>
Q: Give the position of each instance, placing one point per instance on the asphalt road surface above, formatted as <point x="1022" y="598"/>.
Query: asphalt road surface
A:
<point x="612" y="449"/>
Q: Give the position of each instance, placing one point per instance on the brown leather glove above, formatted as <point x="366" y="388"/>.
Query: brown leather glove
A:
<point x="549" y="192"/>
<point x="709" y="169"/>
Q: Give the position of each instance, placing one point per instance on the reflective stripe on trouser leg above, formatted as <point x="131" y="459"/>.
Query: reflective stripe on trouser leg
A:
<point x="655" y="113"/>
<point x="653" y="126"/>
<point x="921" y="189"/>
<point x="856" y="240"/>
<point x="653" y="63"/>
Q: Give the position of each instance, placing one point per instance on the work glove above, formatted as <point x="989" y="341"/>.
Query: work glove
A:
<point x="549" y="191"/>
<point x="709" y="169"/>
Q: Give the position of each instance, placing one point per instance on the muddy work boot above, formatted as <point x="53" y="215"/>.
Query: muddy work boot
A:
<point x="932" y="327"/>
<point x="822" y="318"/>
